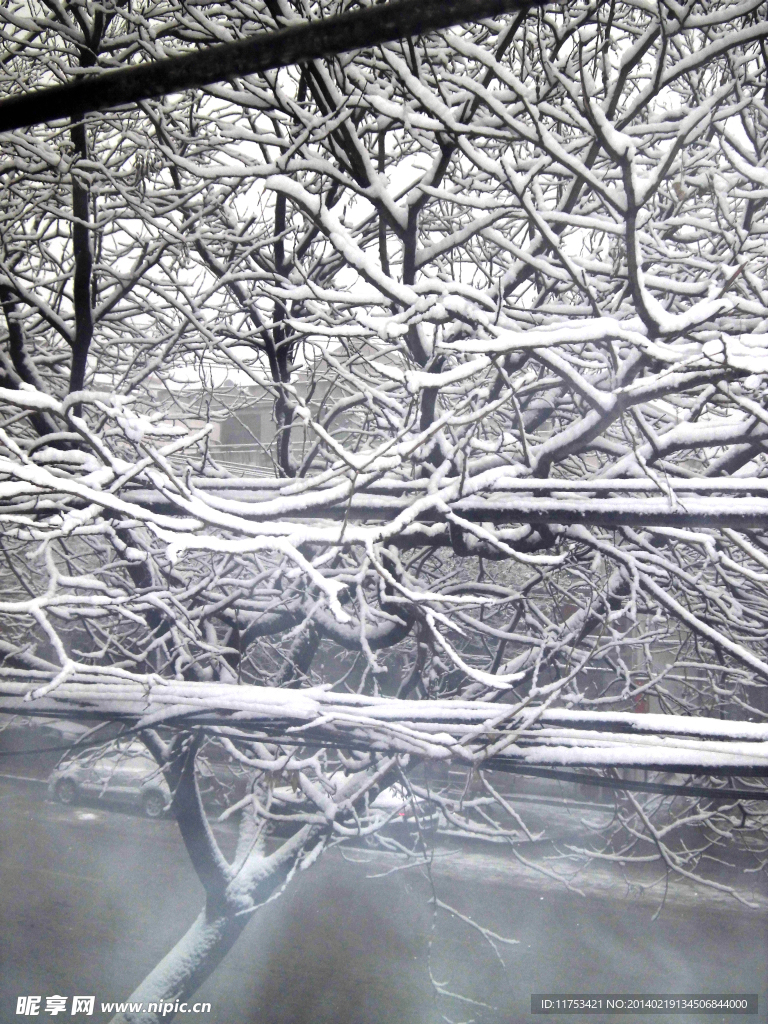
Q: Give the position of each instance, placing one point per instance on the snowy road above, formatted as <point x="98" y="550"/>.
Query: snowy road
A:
<point x="90" y="899"/>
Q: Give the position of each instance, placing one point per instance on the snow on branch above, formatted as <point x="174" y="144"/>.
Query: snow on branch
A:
<point x="465" y="731"/>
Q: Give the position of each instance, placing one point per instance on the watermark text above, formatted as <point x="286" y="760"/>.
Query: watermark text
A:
<point x="36" y="1006"/>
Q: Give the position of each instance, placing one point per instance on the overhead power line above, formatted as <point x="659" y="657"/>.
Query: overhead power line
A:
<point x="439" y="730"/>
<point x="628" y="785"/>
<point x="721" y="794"/>
<point x="264" y="51"/>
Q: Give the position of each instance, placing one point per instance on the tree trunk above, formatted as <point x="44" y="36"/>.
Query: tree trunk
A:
<point x="252" y="880"/>
<point x="181" y="972"/>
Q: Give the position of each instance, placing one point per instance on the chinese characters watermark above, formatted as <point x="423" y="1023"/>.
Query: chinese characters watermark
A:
<point x="30" y="1006"/>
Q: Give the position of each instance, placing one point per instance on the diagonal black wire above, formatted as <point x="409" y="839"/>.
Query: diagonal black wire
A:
<point x="632" y="785"/>
<point x="494" y="764"/>
<point x="381" y="23"/>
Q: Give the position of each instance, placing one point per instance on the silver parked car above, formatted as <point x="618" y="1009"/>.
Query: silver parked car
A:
<point x="400" y="813"/>
<point x="124" y="773"/>
<point x="404" y="812"/>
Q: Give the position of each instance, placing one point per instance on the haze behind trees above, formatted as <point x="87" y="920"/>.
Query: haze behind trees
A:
<point x="503" y="289"/>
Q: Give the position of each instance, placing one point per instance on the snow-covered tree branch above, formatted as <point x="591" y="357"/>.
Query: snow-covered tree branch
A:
<point x="502" y="288"/>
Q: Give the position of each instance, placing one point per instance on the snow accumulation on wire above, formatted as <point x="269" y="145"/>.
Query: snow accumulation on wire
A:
<point x="468" y="731"/>
<point x="404" y="406"/>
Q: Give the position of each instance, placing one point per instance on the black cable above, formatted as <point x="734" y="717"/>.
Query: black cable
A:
<point x="494" y="764"/>
<point x="631" y="784"/>
<point x="353" y="30"/>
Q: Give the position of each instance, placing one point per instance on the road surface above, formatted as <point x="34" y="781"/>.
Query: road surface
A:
<point x="91" y="899"/>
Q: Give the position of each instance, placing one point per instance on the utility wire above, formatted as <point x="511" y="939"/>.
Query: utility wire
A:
<point x="493" y="764"/>
<point x="264" y="51"/>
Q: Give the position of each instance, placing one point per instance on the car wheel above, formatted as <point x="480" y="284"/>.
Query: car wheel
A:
<point x="154" y="805"/>
<point x="66" y="791"/>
